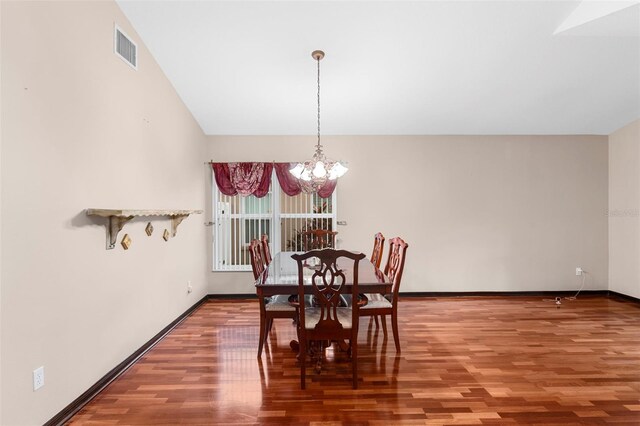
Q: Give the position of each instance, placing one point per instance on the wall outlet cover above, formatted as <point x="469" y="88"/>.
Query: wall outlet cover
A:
<point x="38" y="378"/>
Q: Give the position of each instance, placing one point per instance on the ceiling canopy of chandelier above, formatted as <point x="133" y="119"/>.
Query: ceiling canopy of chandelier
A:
<point x="315" y="172"/>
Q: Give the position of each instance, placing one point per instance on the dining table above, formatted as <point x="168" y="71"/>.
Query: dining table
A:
<point x="281" y="277"/>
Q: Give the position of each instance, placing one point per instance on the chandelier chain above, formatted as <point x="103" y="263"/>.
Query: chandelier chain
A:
<point x="318" y="60"/>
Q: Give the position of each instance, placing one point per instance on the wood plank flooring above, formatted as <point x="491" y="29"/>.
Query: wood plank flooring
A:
<point x="467" y="360"/>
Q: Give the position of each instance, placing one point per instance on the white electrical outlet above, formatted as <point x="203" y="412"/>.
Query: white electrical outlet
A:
<point x="579" y="271"/>
<point x="189" y="287"/>
<point x="38" y="378"/>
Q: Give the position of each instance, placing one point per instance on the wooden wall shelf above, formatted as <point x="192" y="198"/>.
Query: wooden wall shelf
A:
<point x="117" y="219"/>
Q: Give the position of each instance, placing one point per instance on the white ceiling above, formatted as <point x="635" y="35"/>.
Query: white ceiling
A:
<point x="397" y="68"/>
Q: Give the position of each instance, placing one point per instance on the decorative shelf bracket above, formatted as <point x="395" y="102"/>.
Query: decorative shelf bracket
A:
<point x="116" y="223"/>
<point x="118" y="218"/>
<point x="175" y="221"/>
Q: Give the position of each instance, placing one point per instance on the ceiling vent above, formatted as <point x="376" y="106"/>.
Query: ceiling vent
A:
<point x="125" y="48"/>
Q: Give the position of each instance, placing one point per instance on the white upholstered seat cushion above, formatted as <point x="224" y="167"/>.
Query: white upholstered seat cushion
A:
<point x="279" y="302"/>
<point x="376" y="301"/>
<point x="312" y="316"/>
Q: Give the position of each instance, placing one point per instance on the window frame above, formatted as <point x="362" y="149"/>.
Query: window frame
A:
<point x="275" y="216"/>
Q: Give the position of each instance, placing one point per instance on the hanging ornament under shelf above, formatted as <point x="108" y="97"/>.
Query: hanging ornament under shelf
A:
<point x="126" y="241"/>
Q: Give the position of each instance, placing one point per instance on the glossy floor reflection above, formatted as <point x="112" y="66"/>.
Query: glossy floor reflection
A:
<point x="487" y="360"/>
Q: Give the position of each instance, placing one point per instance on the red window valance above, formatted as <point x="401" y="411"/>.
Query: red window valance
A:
<point x="243" y="178"/>
<point x="255" y="178"/>
<point x="292" y="186"/>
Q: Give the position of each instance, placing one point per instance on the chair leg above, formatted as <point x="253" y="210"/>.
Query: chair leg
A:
<point x="303" y="363"/>
<point x="396" y="336"/>
<point x="384" y="324"/>
<point x="261" y="333"/>
<point x="321" y="345"/>
<point x="354" y="363"/>
<point x="267" y="329"/>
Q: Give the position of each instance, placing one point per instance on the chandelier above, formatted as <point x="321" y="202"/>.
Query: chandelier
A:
<point x="319" y="169"/>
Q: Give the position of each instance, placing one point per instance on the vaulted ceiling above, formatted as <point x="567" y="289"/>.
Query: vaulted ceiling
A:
<point x="421" y="67"/>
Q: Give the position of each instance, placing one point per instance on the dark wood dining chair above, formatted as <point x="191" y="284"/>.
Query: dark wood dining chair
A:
<point x="317" y="239"/>
<point x="328" y="321"/>
<point x="378" y="247"/>
<point x="265" y="249"/>
<point x="270" y="307"/>
<point x="384" y="305"/>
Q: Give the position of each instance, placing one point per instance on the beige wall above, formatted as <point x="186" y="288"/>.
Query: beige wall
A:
<point x="624" y="210"/>
<point x="82" y="129"/>
<point x="480" y="213"/>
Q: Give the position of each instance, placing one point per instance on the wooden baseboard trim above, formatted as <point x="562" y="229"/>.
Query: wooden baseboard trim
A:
<point x="563" y="293"/>
<point x="71" y="409"/>
<point x="623" y="296"/>
<point x="503" y="293"/>
<point x="233" y="296"/>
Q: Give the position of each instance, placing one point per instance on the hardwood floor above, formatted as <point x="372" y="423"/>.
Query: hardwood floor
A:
<point x="467" y="360"/>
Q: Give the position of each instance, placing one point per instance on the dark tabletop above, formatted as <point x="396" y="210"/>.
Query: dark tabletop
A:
<point x="281" y="277"/>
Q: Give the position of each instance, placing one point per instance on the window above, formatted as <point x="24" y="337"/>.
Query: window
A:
<point x="237" y="220"/>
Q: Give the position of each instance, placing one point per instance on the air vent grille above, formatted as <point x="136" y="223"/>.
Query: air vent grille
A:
<point x="125" y="48"/>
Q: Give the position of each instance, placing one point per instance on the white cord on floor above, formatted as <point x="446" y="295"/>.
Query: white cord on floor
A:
<point x="584" y="276"/>
<point x="558" y="300"/>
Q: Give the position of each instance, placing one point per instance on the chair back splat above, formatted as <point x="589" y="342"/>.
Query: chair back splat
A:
<point x="257" y="260"/>
<point x="265" y="249"/>
<point x="378" y="246"/>
<point x="316" y="239"/>
<point x="328" y="321"/>
<point x="395" y="263"/>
